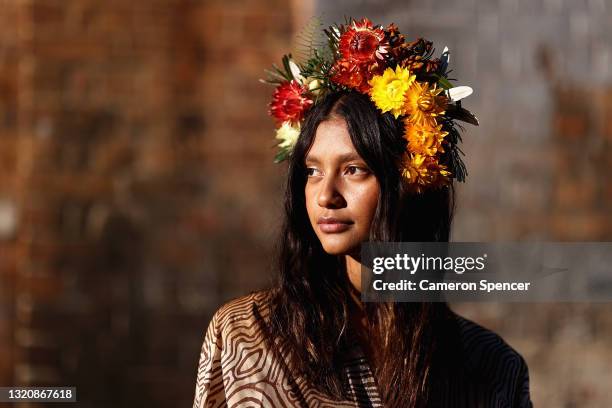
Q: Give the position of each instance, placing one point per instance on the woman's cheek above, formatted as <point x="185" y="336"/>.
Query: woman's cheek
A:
<point x="365" y="202"/>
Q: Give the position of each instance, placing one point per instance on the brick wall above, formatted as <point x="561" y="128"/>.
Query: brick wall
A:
<point x="539" y="164"/>
<point x="137" y="191"/>
<point x="137" y="188"/>
<point x="9" y="186"/>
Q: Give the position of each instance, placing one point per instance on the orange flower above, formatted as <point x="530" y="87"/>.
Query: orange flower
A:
<point x="424" y="104"/>
<point x="424" y="139"/>
<point x="354" y="75"/>
<point x="424" y="172"/>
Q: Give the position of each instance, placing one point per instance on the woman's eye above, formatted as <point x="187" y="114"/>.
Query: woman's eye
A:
<point x="311" y="172"/>
<point x="356" y="170"/>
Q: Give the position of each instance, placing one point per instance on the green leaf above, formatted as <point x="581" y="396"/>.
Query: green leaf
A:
<point x="274" y="77"/>
<point x="444" y="82"/>
<point x="282" y="73"/>
<point x="286" y="66"/>
<point x="282" y="155"/>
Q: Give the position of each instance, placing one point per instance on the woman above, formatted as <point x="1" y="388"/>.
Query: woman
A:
<point x="309" y="340"/>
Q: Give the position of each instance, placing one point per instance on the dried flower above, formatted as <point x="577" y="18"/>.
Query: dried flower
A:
<point x="290" y="102"/>
<point x="389" y="89"/>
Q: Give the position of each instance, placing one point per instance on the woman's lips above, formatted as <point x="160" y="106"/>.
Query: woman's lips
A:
<point x="332" y="225"/>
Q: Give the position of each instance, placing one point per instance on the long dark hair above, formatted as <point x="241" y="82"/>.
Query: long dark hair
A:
<point x="309" y="307"/>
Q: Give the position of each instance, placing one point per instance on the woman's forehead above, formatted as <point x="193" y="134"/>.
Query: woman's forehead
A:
<point x="332" y="140"/>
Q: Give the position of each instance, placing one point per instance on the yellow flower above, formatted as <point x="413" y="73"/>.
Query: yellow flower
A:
<point x="424" y="138"/>
<point x="424" y="172"/>
<point x="424" y="104"/>
<point x="388" y="90"/>
<point x="288" y="135"/>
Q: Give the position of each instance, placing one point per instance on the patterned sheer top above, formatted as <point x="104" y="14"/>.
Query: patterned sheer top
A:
<point x="237" y="369"/>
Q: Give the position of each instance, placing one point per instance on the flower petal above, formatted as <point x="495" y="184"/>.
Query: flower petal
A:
<point x="295" y="71"/>
<point x="459" y="92"/>
<point x="445" y="55"/>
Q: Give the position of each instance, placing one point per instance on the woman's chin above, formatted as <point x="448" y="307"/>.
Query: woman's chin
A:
<point x="337" y="247"/>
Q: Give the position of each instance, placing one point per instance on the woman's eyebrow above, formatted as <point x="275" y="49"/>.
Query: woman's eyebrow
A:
<point x="348" y="157"/>
<point x="312" y="159"/>
<point x="341" y="158"/>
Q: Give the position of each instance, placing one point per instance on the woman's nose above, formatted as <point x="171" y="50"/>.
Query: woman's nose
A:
<point x="329" y="195"/>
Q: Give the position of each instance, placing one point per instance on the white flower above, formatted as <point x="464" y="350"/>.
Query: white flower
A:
<point x="295" y="71"/>
<point x="288" y="135"/>
<point x="459" y="92"/>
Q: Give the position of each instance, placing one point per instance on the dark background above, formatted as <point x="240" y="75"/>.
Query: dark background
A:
<point x="138" y="193"/>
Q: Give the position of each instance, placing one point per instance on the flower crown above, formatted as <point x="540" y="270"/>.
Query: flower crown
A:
<point x="400" y="77"/>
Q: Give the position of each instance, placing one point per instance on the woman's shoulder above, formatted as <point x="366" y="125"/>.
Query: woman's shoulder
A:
<point x="241" y="314"/>
<point x="483" y="346"/>
<point x="489" y="357"/>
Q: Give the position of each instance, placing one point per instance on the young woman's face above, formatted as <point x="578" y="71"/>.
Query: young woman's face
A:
<point x="341" y="192"/>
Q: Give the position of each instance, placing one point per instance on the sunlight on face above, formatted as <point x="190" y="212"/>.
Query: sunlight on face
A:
<point x="341" y="191"/>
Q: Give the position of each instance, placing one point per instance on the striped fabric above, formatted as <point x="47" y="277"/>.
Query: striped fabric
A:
<point x="236" y="368"/>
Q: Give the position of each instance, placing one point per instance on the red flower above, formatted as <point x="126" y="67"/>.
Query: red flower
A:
<point x="289" y="102"/>
<point x="354" y="75"/>
<point x="350" y="75"/>
<point x="361" y="42"/>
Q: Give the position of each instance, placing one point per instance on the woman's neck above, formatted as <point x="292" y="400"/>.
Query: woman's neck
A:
<point x="358" y="317"/>
<point x="353" y="271"/>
